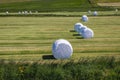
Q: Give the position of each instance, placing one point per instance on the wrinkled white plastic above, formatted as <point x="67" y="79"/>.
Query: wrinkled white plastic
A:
<point x="84" y="18"/>
<point x="87" y="33"/>
<point x="95" y="13"/>
<point x="81" y="29"/>
<point x="77" y="26"/>
<point x="89" y="12"/>
<point x="62" y="49"/>
<point x="7" y="12"/>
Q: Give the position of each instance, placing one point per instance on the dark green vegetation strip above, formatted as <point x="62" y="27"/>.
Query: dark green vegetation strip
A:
<point x="106" y="1"/>
<point x="101" y="68"/>
<point x="52" y="5"/>
<point x="8" y="1"/>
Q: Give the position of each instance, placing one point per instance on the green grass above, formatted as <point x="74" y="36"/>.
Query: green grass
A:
<point x="107" y="1"/>
<point x="30" y="38"/>
<point x="100" y="68"/>
<point x="51" y="5"/>
<point x="10" y="1"/>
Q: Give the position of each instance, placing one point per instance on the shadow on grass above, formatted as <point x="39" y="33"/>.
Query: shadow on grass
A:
<point x="48" y="57"/>
<point x="72" y="31"/>
<point x="76" y="34"/>
<point x="79" y="37"/>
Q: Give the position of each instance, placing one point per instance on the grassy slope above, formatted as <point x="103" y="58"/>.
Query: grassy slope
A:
<point x="30" y="38"/>
<point x="10" y="1"/>
<point x="108" y="1"/>
<point x="49" y="5"/>
<point x="46" y="5"/>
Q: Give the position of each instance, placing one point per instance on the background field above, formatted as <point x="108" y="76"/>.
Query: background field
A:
<point x="30" y="38"/>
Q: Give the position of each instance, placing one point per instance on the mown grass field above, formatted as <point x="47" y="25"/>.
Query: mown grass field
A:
<point x="31" y="38"/>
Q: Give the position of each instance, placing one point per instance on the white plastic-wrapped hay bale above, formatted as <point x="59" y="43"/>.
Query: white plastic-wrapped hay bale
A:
<point x="62" y="49"/>
<point x="19" y="12"/>
<point x="95" y="13"/>
<point x="36" y="12"/>
<point x="77" y="26"/>
<point x="7" y="12"/>
<point x="89" y="12"/>
<point x="87" y="33"/>
<point x="26" y="12"/>
<point x="23" y="12"/>
<point x="30" y="12"/>
<point x="84" y="18"/>
<point x="116" y="10"/>
<point x="80" y="30"/>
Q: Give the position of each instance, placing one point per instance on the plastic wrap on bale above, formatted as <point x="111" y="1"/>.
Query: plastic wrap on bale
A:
<point x="62" y="49"/>
<point x="84" y="18"/>
<point x="87" y="33"/>
<point x="77" y="26"/>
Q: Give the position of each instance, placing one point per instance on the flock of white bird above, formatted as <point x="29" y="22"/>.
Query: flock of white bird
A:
<point x="23" y="12"/>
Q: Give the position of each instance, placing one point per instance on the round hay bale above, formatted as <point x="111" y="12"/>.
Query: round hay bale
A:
<point x="116" y="10"/>
<point x="80" y="30"/>
<point x="19" y="12"/>
<point x="23" y="12"/>
<point x="36" y="12"/>
<point x="30" y="12"/>
<point x="7" y="12"/>
<point x="26" y="12"/>
<point x="77" y="26"/>
<point x="84" y="18"/>
<point x="89" y="12"/>
<point x="95" y="13"/>
<point x="62" y="49"/>
<point x="87" y="33"/>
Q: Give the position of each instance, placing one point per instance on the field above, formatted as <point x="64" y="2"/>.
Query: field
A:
<point x="31" y="38"/>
